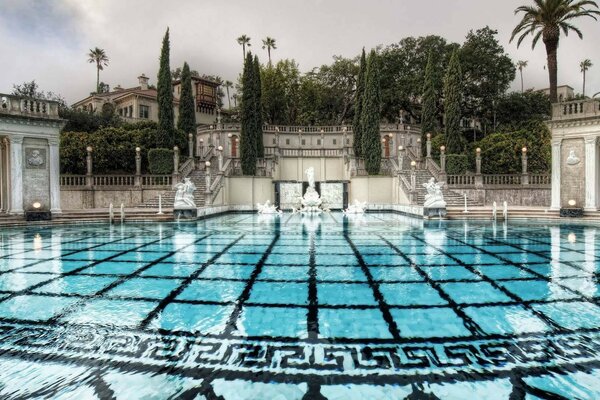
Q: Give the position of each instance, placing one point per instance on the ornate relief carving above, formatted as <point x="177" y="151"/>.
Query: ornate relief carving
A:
<point x="35" y="158"/>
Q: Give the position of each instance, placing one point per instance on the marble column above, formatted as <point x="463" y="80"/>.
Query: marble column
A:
<point x="556" y="146"/>
<point x="54" y="172"/>
<point x="16" y="175"/>
<point x="2" y="169"/>
<point x="590" y="174"/>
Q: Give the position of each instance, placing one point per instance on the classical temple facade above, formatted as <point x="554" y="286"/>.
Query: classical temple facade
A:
<point x="29" y="155"/>
<point x="575" y="129"/>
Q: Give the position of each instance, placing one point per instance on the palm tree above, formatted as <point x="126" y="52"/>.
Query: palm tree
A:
<point x="546" y="19"/>
<point x="244" y="41"/>
<point x="269" y="43"/>
<point x="235" y="97"/>
<point x="98" y="56"/>
<point x="228" y="85"/>
<point x="520" y="65"/>
<point x="585" y="65"/>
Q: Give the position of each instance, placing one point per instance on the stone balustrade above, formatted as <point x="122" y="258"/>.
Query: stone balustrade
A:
<point x="576" y="109"/>
<point x="28" y="107"/>
<point x="124" y="181"/>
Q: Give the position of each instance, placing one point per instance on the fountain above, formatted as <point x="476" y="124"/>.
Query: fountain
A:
<point x="311" y="201"/>
<point x="434" y="205"/>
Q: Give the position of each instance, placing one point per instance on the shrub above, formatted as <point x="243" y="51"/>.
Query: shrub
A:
<point x="501" y="152"/>
<point x="457" y="164"/>
<point x="160" y="161"/>
<point x="113" y="150"/>
<point x="436" y="142"/>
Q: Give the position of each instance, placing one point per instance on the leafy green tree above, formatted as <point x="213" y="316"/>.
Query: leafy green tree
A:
<point x="187" y="108"/>
<point x="545" y="20"/>
<point x="403" y="74"/>
<point x="248" y="119"/>
<point x="358" y="100"/>
<point x="487" y="72"/>
<point x="98" y="56"/>
<point x="258" y="114"/>
<point x="517" y="109"/>
<point x="273" y="95"/>
<point x="166" y="118"/>
<point x="429" y="114"/>
<point x="452" y="102"/>
<point x="269" y="43"/>
<point x="32" y="90"/>
<point x="371" y="139"/>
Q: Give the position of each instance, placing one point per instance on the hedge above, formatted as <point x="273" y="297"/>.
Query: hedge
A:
<point x="457" y="164"/>
<point x="113" y="148"/>
<point x="160" y="161"/>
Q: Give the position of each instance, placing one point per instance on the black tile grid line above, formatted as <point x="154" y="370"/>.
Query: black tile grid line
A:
<point x="383" y="306"/>
<point x="78" y="305"/>
<point x="550" y="322"/>
<point x="468" y="322"/>
<point x="302" y="306"/>
<point x="312" y="320"/>
<point x="231" y="324"/>
<point x="58" y="276"/>
<point x="186" y="282"/>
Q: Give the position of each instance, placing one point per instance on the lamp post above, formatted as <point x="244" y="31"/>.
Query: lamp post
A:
<point x="478" y="177"/>
<point x="443" y="176"/>
<point x="220" y="156"/>
<point x="413" y="182"/>
<point x="191" y="145"/>
<point x="138" y="167"/>
<point x="229" y="146"/>
<point x="175" y="165"/>
<point x="401" y="157"/>
<point x="89" y="162"/>
<point x="201" y="146"/>
<point x="525" y="174"/>
<point x="428" y="145"/>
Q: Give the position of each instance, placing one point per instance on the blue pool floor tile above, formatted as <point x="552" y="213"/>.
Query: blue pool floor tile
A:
<point x="427" y="323"/>
<point x="201" y="318"/>
<point x="145" y="288"/>
<point x="353" y="324"/>
<point x="277" y="322"/>
<point x="506" y="319"/>
<point x="34" y="307"/>
<point x="113" y="312"/>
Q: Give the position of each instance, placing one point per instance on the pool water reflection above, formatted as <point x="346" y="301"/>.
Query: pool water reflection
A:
<point x="297" y="307"/>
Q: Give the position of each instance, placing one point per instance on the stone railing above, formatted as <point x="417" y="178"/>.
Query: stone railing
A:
<point x="467" y="181"/>
<point x="22" y="106"/>
<point x="576" y="109"/>
<point x="283" y="152"/>
<point x="187" y="167"/>
<point x="460" y="180"/>
<point x="298" y="129"/>
<point x="116" y="181"/>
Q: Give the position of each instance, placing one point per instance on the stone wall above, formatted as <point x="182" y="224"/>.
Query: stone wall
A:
<point x="83" y="199"/>
<point x="247" y="191"/>
<point x="326" y="169"/>
<point x="572" y="176"/>
<point x="534" y="197"/>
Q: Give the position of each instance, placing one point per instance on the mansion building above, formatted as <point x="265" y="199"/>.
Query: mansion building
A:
<point x="140" y="103"/>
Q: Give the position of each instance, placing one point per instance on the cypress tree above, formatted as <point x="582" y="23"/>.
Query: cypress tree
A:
<point x="452" y="99"/>
<point x="358" y="99"/>
<point x="166" y="118"/>
<point x="248" y="120"/>
<point x="258" y="115"/>
<point x="429" y="112"/>
<point x="371" y="108"/>
<point x="187" y="112"/>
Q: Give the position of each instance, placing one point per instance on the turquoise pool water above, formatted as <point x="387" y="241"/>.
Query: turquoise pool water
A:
<point x="241" y="306"/>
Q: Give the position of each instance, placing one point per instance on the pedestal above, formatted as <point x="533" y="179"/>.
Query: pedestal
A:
<point x="434" y="212"/>
<point x="185" y="213"/>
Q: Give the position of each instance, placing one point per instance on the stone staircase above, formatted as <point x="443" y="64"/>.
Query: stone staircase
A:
<point x="452" y="198"/>
<point x="168" y="198"/>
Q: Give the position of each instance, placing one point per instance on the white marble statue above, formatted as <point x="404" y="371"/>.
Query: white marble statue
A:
<point x="357" y="208"/>
<point x="572" y="159"/>
<point x="434" y="197"/>
<point x="267" y="208"/>
<point x="184" y="197"/>
<point x="310" y="176"/>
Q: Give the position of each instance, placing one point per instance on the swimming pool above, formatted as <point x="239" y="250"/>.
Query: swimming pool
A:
<point x="241" y="306"/>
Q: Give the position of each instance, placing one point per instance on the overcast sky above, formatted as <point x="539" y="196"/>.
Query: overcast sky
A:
<point x="48" y="40"/>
